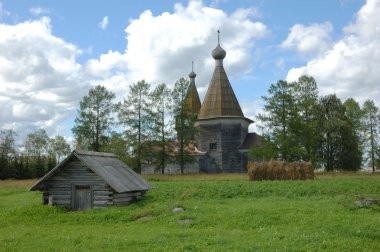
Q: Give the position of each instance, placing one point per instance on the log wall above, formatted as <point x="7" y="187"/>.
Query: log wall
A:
<point x="127" y="197"/>
<point x="60" y="188"/>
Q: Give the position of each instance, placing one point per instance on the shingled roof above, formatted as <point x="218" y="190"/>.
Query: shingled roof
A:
<point x="107" y="166"/>
<point x="192" y="101"/>
<point x="220" y="99"/>
<point x="250" y="140"/>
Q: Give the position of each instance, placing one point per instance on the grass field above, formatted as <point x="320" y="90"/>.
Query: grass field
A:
<point x="222" y="213"/>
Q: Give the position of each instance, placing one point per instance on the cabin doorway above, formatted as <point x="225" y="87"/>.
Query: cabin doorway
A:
<point x="82" y="197"/>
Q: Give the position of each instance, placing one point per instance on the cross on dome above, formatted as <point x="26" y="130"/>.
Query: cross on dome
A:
<point x="218" y="53"/>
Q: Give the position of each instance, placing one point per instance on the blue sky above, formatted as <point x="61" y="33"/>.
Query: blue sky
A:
<point x="52" y="52"/>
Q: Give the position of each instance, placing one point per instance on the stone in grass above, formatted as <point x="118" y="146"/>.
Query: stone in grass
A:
<point x="364" y="202"/>
<point x="145" y="218"/>
<point x="185" y="221"/>
<point x="178" y="210"/>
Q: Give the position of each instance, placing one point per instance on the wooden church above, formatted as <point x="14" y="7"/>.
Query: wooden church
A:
<point x="222" y="126"/>
<point x="222" y="140"/>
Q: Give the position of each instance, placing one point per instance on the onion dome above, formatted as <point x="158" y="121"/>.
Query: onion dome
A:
<point x="192" y="75"/>
<point x="218" y="53"/>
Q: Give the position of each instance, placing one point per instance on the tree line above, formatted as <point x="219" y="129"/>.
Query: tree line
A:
<point x="37" y="155"/>
<point x="298" y="124"/>
<point x="141" y="127"/>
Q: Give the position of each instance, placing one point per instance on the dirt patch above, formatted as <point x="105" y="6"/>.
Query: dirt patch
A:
<point x="11" y="183"/>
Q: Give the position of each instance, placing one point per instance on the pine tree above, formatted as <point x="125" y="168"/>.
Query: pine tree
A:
<point x="371" y="131"/>
<point x="95" y="118"/>
<point x="280" y="119"/>
<point x="7" y="154"/>
<point x="338" y="146"/>
<point x="119" y="146"/>
<point x="161" y="97"/>
<point x="36" y="146"/>
<point x="135" y="113"/>
<point x="354" y="115"/>
<point x="306" y="99"/>
<point x="184" y="121"/>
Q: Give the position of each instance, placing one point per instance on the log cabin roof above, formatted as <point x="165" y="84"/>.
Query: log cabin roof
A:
<point x="108" y="166"/>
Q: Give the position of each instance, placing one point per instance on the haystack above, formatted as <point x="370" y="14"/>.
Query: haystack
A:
<point x="280" y="170"/>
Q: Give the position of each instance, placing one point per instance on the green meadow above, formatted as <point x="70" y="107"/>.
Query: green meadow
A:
<point x="221" y="213"/>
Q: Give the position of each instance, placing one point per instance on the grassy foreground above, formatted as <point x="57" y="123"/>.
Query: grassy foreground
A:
<point x="222" y="213"/>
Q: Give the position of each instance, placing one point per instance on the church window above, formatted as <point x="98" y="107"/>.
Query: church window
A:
<point x="212" y="146"/>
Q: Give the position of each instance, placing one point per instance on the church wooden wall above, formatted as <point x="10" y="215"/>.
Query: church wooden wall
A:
<point x="228" y="136"/>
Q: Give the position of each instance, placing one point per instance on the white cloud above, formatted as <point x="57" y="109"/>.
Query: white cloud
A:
<point x="160" y="48"/>
<point x="350" y="68"/>
<point x="314" y="38"/>
<point x="37" y="11"/>
<point x="40" y="80"/>
<point x="104" y="23"/>
<point x="251" y="110"/>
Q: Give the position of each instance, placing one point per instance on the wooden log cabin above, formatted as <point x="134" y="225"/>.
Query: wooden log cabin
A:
<point x="91" y="180"/>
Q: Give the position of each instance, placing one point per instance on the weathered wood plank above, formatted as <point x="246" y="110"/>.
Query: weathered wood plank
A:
<point x="100" y="202"/>
<point x="102" y="197"/>
<point x="121" y="200"/>
<point x="60" y="197"/>
<point x="99" y="187"/>
<point x="120" y="195"/>
<point x="59" y="189"/>
<point x="103" y="193"/>
<point x="55" y="195"/>
<point x="77" y="178"/>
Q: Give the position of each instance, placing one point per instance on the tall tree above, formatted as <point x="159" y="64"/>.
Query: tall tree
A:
<point x="371" y="130"/>
<point x="135" y="113"/>
<point x="184" y="121"/>
<point x="354" y="115"/>
<point x="119" y="146"/>
<point x="59" y="147"/>
<point x="338" y="146"/>
<point x="280" y="118"/>
<point x="161" y="97"/>
<point x="306" y="100"/>
<point x="7" y="154"/>
<point x="36" y="143"/>
<point x="265" y="151"/>
<point x="36" y="146"/>
<point x="95" y="118"/>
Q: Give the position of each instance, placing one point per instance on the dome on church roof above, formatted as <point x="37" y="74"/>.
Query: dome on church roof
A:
<point x="218" y="53"/>
<point x="192" y="75"/>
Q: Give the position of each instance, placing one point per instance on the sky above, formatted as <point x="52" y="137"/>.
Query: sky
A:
<point x="53" y="52"/>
